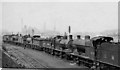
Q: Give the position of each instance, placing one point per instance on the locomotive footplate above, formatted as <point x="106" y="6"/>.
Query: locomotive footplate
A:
<point x="46" y="49"/>
<point x="49" y="50"/>
<point x="29" y="45"/>
<point x="66" y="54"/>
<point x="57" y="52"/>
<point x="36" y="47"/>
<point x="105" y="66"/>
<point x="19" y="44"/>
<point x="79" y="59"/>
<point x="52" y="51"/>
<point x="60" y="53"/>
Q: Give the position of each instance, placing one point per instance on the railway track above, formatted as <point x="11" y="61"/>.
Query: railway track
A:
<point x="34" y="62"/>
<point x="25" y="59"/>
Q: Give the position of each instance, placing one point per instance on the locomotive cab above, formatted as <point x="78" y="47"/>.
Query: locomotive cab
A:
<point x="100" y="39"/>
<point x="97" y="41"/>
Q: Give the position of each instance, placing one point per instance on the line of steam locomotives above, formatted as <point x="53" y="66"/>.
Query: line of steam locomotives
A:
<point x="99" y="51"/>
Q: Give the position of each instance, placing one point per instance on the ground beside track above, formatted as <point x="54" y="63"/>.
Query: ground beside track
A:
<point x="43" y="58"/>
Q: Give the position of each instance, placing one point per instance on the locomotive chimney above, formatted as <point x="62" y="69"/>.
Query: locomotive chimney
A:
<point x="78" y="36"/>
<point x="70" y="37"/>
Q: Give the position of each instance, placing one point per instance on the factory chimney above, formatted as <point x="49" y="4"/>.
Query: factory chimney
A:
<point x="69" y="29"/>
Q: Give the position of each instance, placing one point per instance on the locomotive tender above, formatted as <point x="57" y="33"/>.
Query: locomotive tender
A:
<point x="98" y="51"/>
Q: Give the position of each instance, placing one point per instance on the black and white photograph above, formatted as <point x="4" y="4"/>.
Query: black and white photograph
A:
<point x="59" y="35"/>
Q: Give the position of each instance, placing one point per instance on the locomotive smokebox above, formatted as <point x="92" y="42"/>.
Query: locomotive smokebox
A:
<point x="70" y="37"/>
<point x="87" y="37"/>
<point x="78" y="36"/>
<point x="65" y="37"/>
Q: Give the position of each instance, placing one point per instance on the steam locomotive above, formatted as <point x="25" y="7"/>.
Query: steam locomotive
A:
<point x="99" y="52"/>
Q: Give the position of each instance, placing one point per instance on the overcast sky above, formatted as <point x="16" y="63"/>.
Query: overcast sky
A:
<point x="81" y="16"/>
